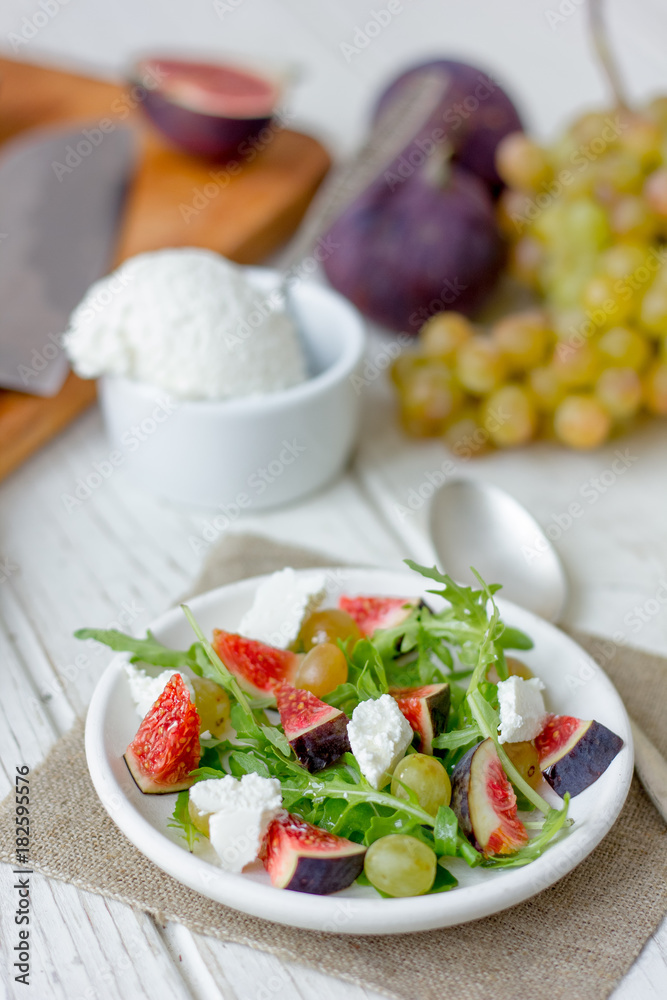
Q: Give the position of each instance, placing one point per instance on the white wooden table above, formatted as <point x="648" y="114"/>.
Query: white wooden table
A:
<point x="122" y="550"/>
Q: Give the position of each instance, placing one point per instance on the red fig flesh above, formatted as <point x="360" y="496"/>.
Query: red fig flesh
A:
<point x="304" y="858"/>
<point x="317" y="732"/>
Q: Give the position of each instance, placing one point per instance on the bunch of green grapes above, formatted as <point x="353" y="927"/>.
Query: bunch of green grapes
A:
<point x="587" y="224"/>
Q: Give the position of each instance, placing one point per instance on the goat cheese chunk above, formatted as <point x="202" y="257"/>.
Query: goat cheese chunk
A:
<point x="239" y="812"/>
<point x="522" y="711"/>
<point x="281" y="605"/>
<point x="146" y="688"/>
<point x="379" y="735"/>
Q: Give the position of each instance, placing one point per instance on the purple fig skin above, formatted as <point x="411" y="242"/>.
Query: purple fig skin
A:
<point x="404" y="254"/>
<point x="587" y="760"/>
<point x="216" y="137"/>
<point x="322" y="745"/>
<point x="322" y="876"/>
<point x="474" y="115"/>
<point x="460" y="778"/>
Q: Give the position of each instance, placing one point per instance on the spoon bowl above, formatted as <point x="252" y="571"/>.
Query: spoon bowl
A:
<point x="478" y="525"/>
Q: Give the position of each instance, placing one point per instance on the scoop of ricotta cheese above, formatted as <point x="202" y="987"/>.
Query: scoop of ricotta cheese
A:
<point x="188" y="322"/>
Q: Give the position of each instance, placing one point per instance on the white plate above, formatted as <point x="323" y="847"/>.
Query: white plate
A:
<point x="575" y="686"/>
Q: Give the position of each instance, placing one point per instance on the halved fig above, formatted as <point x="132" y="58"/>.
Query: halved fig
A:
<point x="574" y="753"/>
<point x="257" y="666"/>
<point x="166" y="748"/>
<point x="372" y="613"/>
<point x="302" y="857"/>
<point x="485" y="803"/>
<point x="317" y="732"/>
<point x="426" y="708"/>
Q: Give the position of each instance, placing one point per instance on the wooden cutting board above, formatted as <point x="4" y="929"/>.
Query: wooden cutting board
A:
<point x="175" y="200"/>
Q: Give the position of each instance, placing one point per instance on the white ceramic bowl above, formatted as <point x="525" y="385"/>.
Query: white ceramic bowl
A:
<point x="253" y="452"/>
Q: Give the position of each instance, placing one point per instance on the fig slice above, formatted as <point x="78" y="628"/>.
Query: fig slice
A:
<point x="166" y="748"/>
<point x="372" y="613"/>
<point x="426" y="708"/>
<point x="317" y="732"/>
<point x="257" y="666"/>
<point x="485" y="803"/>
<point x="304" y="858"/>
<point x="574" y="752"/>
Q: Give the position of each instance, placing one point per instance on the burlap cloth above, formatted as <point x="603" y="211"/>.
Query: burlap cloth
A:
<point x="575" y="940"/>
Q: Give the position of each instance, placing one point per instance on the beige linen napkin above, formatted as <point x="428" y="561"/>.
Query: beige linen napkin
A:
<point x="574" y="941"/>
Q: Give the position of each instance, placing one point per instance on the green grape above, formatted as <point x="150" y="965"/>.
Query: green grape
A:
<point x="213" y="706"/>
<point x="429" y="396"/>
<point x="631" y="218"/>
<point x="582" y="422"/>
<point x="426" y="777"/>
<point x="322" y="669"/>
<point x="511" y="213"/>
<point x="525" y="759"/>
<point x="620" y="392"/>
<point x="508" y="414"/>
<point x="655" y="192"/>
<point x="580" y="225"/>
<point x="526" y="258"/>
<point x="465" y="436"/>
<point x="655" y="388"/>
<point x="653" y="309"/>
<point x="642" y="138"/>
<point x="400" y="865"/>
<point x="623" y="259"/>
<point x="480" y="366"/>
<point x="443" y="334"/>
<point x="602" y="298"/>
<point x="329" y="625"/>
<point x="576" y="364"/>
<point x="199" y="819"/>
<point x="656" y="110"/>
<point x="623" y="347"/>
<point x="617" y="173"/>
<point x="405" y="366"/>
<point x="522" y="163"/>
<point x="546" y="388"/>
<point x="522" y="338"/>
<point x="589" y="127"/>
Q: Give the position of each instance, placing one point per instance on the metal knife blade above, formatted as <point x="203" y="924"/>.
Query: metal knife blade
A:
<point x="61" y="195"/>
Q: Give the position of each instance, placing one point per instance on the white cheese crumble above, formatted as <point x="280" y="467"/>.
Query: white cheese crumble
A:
<point x="239" y="812"/>
<point x="187" y="321"/>
<point x="146" y="688"/>
<point x="522" y="711"/>
<point x="379" y="735"/>
<point x="281" y="605"/>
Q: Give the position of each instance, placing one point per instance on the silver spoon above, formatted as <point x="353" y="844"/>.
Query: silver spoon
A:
<point x="476" y="524"/>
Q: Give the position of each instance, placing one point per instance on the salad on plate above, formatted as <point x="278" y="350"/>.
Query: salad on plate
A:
<point x="376" y="741"/>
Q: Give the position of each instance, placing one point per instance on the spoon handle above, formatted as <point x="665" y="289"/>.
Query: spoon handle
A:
<point x="651" y="768"/>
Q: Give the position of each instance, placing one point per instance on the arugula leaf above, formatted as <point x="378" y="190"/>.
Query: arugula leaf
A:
<point x="465" y="737"/>
<point x="444" y="880"/>
<point x="445" y="831"/>
<point x="148" y="650"/>
<point x="182" y="822"/>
